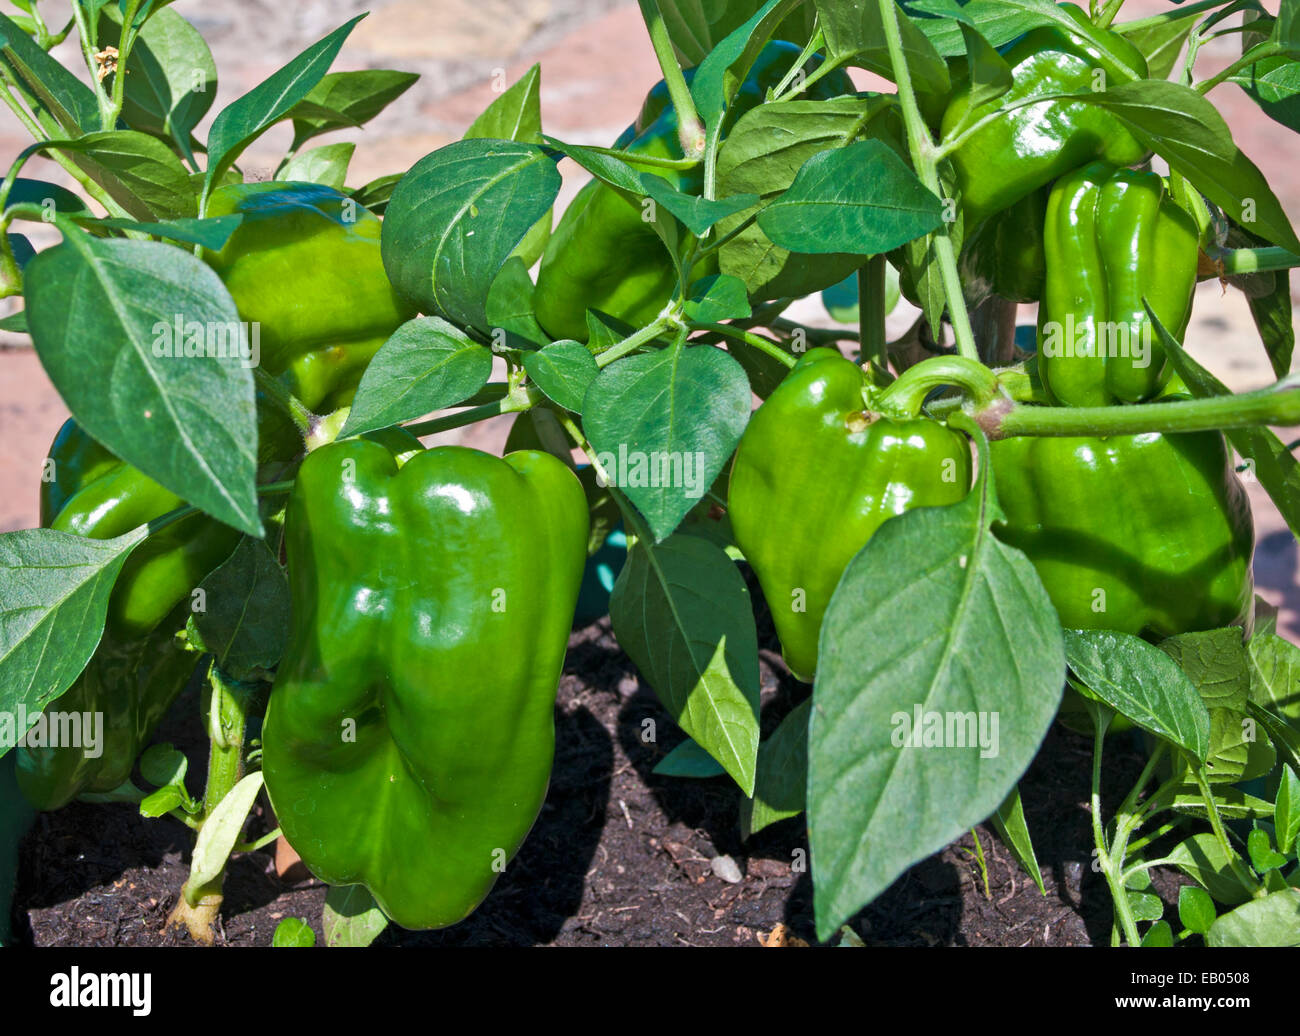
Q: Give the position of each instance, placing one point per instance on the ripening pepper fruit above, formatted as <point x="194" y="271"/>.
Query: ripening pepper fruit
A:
<point x="139" y="667"/>
<point x="603" y="254"/>
<point x="1113" y="237"/>
<point x="1147" y="534"/>
<point x="1031" y="146"/>
<point x="408" y="739"/>
<point x="305" y="266"/>
<point x="815" y="475"/>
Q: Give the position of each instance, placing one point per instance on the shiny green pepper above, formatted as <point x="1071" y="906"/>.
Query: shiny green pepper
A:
<point x="1031" y="146"/>
<point x="1113" y="238"/>
<point x="1147" y="534"/>
<point x="814" y="476"/>
<point x="408" y="739"/>
<point x="305" y="267"/>
<point x="603" y="254"/>
<point x="140" y="666"/>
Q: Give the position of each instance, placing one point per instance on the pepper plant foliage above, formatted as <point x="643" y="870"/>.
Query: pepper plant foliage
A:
<point x="923" y="516"/>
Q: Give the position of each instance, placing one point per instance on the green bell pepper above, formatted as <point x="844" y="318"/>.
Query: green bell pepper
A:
<point x="140" y="666"/>
<point x="1113" y="238"/>
<point x="304" y="265"/>
<point x="408" y="739"/>
<point x="815" y="475"/>
<point x="603" y="254"/>
<point x="1147" y="534"/>
<point x="1031" y="146"/>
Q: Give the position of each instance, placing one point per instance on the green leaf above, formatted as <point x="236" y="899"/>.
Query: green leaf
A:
<point x="1271" y="921"/>
<point x="351" y="916"/>
<point x="1145" y="907"/>
<point x="1286" y="811"/>
<point x="138" y="171"/>
<point x="246" y="621"/>
<point x="171" y="78"/>
<point x="293" y="931"/>
<point x="248" y="117"/>
<point x="1274" y="84"/>
<point x="974" y="661"/>
<point x="681" y="611"/>
<point x="719" y="75"/>
<point x="103" y="315"/>
<point x="779" y="790"/>
<point x="1275" y="676"/>
<point x="1011" y="826"/>
<point x="1159" y="934"/>
<point x="1161" y="43"/>
<point x="697" y="214"/>
<point x="762" y="154"/>
<point x="54" y="590"/>
<point x="70" y="101"/>
<point x="456" y="217"/>
<point x="162" y="765"/>
<point x="1196" y="910"/>
<point x="375" y="195"/>
<point x="861" y="200"/>
<point x="1186" y="130"/>
<point x="1202" y="859"/>
<point x="221" y="830"/>
<point x="664" y="424"/>
<point x="427" y="365"/>
<point x="210" y="233"/>
<point x="1274" y="464"/>
<point x="1231" y="802"/>
<point x="326" y="165"/>
<point x="343" y="100"/>
<point x="1000" y="23"/>
<point x="1263" y="857"/>
<point x="515" y="115"/>
<point x="1218" y="666"/>
<point x="510" y="307"/>
<point x="696" y="26"/>
<point x="990" y="75"/>
<point x="716" y="299"/>
<point x="855" y="34"/>
<point x="161" y="802"/>
<point x="564" y="371"/>
<point x="689" y="760"/>
<point x="1141" y="682"/>
<point x="49" y="196"/>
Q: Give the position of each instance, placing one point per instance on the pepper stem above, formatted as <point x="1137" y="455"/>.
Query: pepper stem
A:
<point x="905" y="396"/>
<point x="1278" y="405"/>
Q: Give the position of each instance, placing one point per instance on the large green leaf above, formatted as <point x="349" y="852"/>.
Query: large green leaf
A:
<point x="681" y="611"/>
<point x="455" y="218"/>
<point x="940" y="670"/>
<point x="113" y="321"/>
<point x="664" y="424"/>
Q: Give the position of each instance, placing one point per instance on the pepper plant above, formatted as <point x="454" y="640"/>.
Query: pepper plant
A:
<point x="963" y="535"/>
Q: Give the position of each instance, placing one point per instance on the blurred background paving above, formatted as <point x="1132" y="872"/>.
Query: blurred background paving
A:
<point x="596" y="66"/>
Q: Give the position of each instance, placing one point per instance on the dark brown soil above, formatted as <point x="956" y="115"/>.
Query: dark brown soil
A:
<point x="619" y="856"/>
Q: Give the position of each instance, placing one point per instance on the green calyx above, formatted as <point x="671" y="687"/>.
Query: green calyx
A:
<point x="408" y="740"/>
<point x="1030" y="146"/>
<point x="1114" y="238"/>
<point x="815" y="475"/>
<point x="305" y="267"/>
